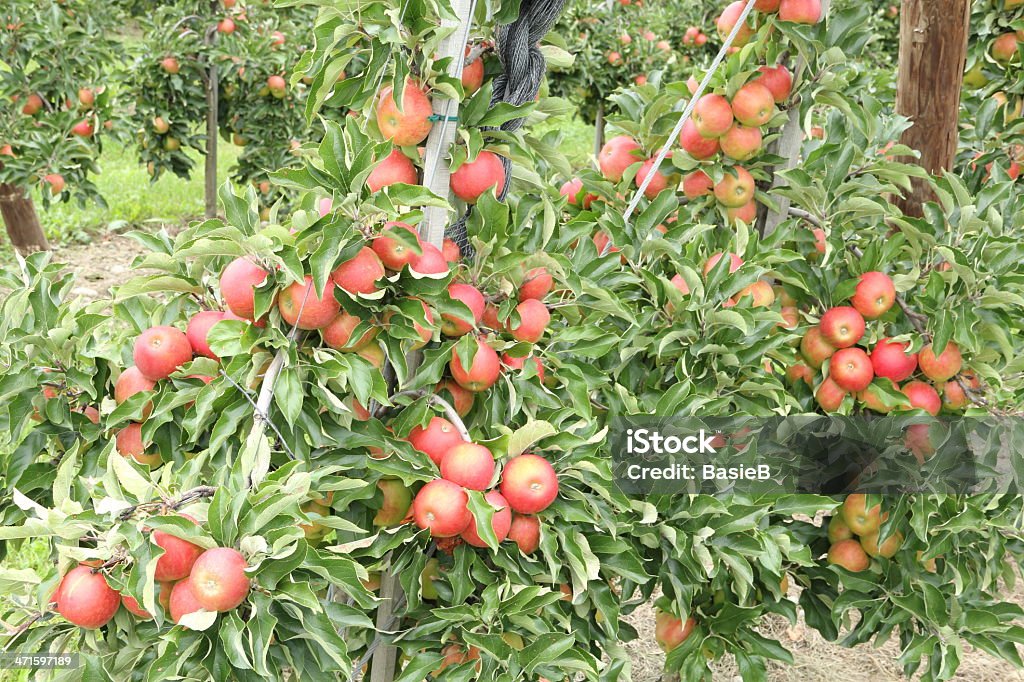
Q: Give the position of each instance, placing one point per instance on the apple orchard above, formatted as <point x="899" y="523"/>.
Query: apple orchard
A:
<point x="356" y="427"/>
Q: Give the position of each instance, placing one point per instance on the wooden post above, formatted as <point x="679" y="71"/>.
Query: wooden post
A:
<point x="442" y="135"/>
<point x="212" y="124"/>
<point x="19" y="214"/>
<point x="933" y="56"/>
<point x="599" y="130"/>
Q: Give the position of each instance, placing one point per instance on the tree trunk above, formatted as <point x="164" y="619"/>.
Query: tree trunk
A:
<point x="933" y="55"/>
<point x="212" y="125"/>
<point x="599" y="130"/>
<point x="19" y="214"/>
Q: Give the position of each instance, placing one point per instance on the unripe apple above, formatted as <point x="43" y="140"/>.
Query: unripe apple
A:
<point x="130" y="382"/>
<point x="469" y="465"/>
<point x="753" y="105"/>
<point x="696" y="145"/>
<point x="359" y="274"/>
<point x="712" y="116"/>
<point x="837" y="529"/>
<point x="736" y="188"/>
<point x="1004" y="48"/>
<point x="537" y="284"/>
<point x="697" y="184"/>
<point x="830" y="395"/>
<point x="395" y="168"/>
<point x="800" y="11"/>
<point x="890" y="359"/>
<point x="436" y="439"/>
<point x="473" y="299"/>
<point x="397" y="500"/>
<point x="729" y="18"/>
<point x="237" y="285"/>
<point x="442" y="507"/>
<point x="778" y="80"/>
<point x="373" y="354"/>
<point x="618" y="154"/>
<point x="848" y="553"/>
<point x="533" y="321"/>
<point x="85" y="599"/>
<point x="277" y="86"/>
<point x="842" y="326"/>
<point x="473" y="178"/>
<point x="923" y="396"/>
<point x="940" y="367"/>
<point x="851" y="369"/>
<point x="160" y="351"/>
<point x="860" y="519"/>
<point x="529" y="483"/>
<point x="218" y="579"/>
<point x="303" y="307"/>
<point x="954" y="398"/>
<point x="525" y="532"/>
<point x="815" y="348"/>
<point x="179" y="555"/>
<point x="182" y="600"/>
<point x="483" y="370"/>
<point x="741" y="143"/>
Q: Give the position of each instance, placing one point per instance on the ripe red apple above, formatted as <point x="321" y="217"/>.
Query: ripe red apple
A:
<point x="85" y="599"/>
<point x="729" y="18"/>
<point x="501" y="522"/>
<point x="409" y="124"/>
<point x="537" y="284"/>
<point x="830" y="395"/>
<point x="741" y="143"/>
<point x="218" y="579"/>
<point x="373" y="354"/>
<point x="736" y="188"/>
<point x="572" y="189"/>
<point x="851" y="369"/>
<point x="873" y="400"/>
<point x="451" y="251"/>
<point x="618" y="154"/>
<point x="670" y="632"/>
<point x="815" y="348"/>
<point x="767" y="5"/>
<point x="954" y="398"/>
<point x="237" y="284"/>
<point x="472" y="74"/>
<point x="778" y="80"/>
<point x="747" y="213"/>
<point x="338" y="334"/>
<point x="680" y="284"/>
<point x="82" y="129"/>
<point x="874" y="296"/>
<point x="842" y="326"/>
<point x="533" y="321"/>
<point x="442" y="507"/>
<point x="525" y="532"/>
<point x="848" y="554"/>
<point x="473" y="178"/>
<point x="198" y="329"/>
<point x="430" y="262"/>
<point x="473" y="299"/>
<point x="303" y="307"/>
<point x="694" y="144"/>
<point x="461" y="399"/>
<point x="178" y="557"/>
<point x="131" y="604"/>
<point x="33" y="105"/>
<point x="529" y="483"/>
<point x="753" y="105"/>
<point x="1004" y="48"/>
<point x="128" y="442"/>
<point x="160" y="351"/>
<point x="182" y="600"/>
<point x="697" y="184"/>
<point x="395" y="505"/>
<point x="469" y="465"/>
<point x="890" y="359"/>
<point x="659" y="183"/>
<point x="359" y="274"/>
<point x="923" y="396"/>
<point x="483" y="371"/>
<point x="800" y="372"/>
<point x="439" y="436"/>
<point x="55" y="181"/>
<point x="395" y="168"/>
<point x="277" y="86"/>
<point x="130" y="382"/>
<point x="712" y="116"/>
<point x="735" y="262"/>
<point x="760" y="292"/>
<point x="941" y="367"/>
<point x="800" y="11"/>
<point x="226" y="26"/>
<point x="277" y="39"/>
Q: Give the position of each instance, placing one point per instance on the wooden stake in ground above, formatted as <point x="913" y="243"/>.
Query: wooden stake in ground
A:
<point x="933" y="56"/>
<point x="212" y="124"/>
<point x="19" y="214"/>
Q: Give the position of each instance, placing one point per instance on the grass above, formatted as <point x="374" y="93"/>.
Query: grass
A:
<point x="577" y="138"/>
<point x="33" y="554"/>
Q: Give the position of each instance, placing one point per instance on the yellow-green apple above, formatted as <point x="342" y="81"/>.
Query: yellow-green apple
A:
<point x="395" y="504"/>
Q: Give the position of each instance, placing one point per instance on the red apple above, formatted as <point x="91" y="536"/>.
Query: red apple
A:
<point x="618" y="154"/>
<point x="85" y="599"/>
<point x="409" y="124"/>
<point x="874" y="296"/>
<point x="830" y="395"/>
<point x="198" y="329"/>
<point x="778" y="80"/>
<point x="501" y="522"/>
<point x="483" y="370"/>
<point x="537" y="284"/>
<point x="736" y="188"/>
<point x="890" y="360"/>
<point x="395" y="168"/>
<point x="697" y="184"/>
<point x="130" y="382"/>
<point x="442" y="507"/>
<point x="439" y="436"/>
<point x="923" y="396"/>
<point x="842" y="326"/>
<point x="525" y="532"/>
<point x="800" y="11"/>
<point x="237" y="284"/>
<point x="160" y="351"/>
<point x="851" y="369"/>
<point x="218" y="579"/>
<point x="182" y="600"/>
<point x="469" y="465"/>
<point x="178" y="557"/>
<point x="359" y="274"/>
<point x="943" y="366"/>
<point x="753" y="105"/>
<point x="338" y="334"/>
<point x="475" y="177"/>
<point x="694" y="144"/>
<point x="729" y="18"/>
<point x="533" y="321"/>
<point x="430" y="262"/>
<point x="301" y="306"/>
<point x="741" y="143"/>
<point x="815" y="348"/>
<point x="712" y="115"/>
<point x="529" y="483"/>
<point x="473" y="299"/>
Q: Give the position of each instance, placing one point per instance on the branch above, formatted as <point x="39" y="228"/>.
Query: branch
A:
<point x="185" y="498"/>
<point x="450" y="412"/>
<point x="806" y="215"/>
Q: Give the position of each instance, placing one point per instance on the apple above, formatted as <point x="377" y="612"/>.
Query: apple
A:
<point x="315" y="531"/>
<point x="461" y="399"/>
<point x="1004" y="48"/>
<point x="670" y="632"/>
<point x="359" y="274"/>
<point x="529" y="483"/>
<point x="848" y="553"/>
<point x="614" y="58"/>
<point x="182" y="600"/>
<point x="696" y="145"/>
<point x="409" y="124"/>
<point x="954" y="397"/>
<point x="55" y="181"/>
<point x="456" y="654"/>
<point x="160" y="351"/>
<point x="130" y="382"/>
<point x="860" y="519"/>
<point x="790" y="316"/>
<point x="922" y="396"/>
<point x="874" y="296"/>
<point x="851" y="369"/>
<point x="603" y="244"/>
<point x="659" y="182"/>
<point x="469" y="295"/>
<point x="483" y="371"/>
<point x="943" y="366"/>
<point x="451" y="251"/>
<point x="815" y="348"/>
<point x="430" y="262"/>
<point x="888" y="549"/>
<point x="82" y="129"/>
<point x="741" y="143"/>
<point x="396" y="253"/>
<point x="85" y="599"/>
<point x="131" y="604"/>
<point x="838" y="530"/>
<point x="680" y="284"/>
<point x="873" y="400"/>
<point x="890" y="359"/>
<point x="842" y="326"/>
<point x="170" y="65"/>
<point x="918" y="441"/>
<point x="226" y="26"/>
<point x="572" y="189"/>
<point x="753" y="105"/>
<point x="800" y="11"/>
<point x="830" y="395"/>
<point x="533" y="321"/>
<point x="618" y="154"/>
<point x="767" y="5"/>
<point x="301" y="306"/>
<point x="761" y="293"/>
<point x="277" y="86"/>
<point x="472" y="74"/>
<point x="395" y="168"/>
<point x="442" y="507"/>
<point x="778" y="80"/>
<point x="800" y="372"/>
<point x="469" y="465"/>
<point x="436" y="439"/>
<point x="712" y="116"/>
<point x="473" y="178"/>
<point x="501" y="522"/>
<point x="277" y="39"/>
<point x="525" y="532"/>
<point x="373" y="354"/>
<point x="396" y="503"/>
<point x="697" y="184"/>
<point x="198" y="329"/>
<point x="735" y="262"/>
<point x="736" y="188"/>
<point x="338" y="333"/>
<point x="128" y="442"/>
<point x="218" y="579"/>
<point x="237" y="284"/>
<point x="728" y="20"/>
<point x="178" y="557"/>
<point x="537" y="284"/>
